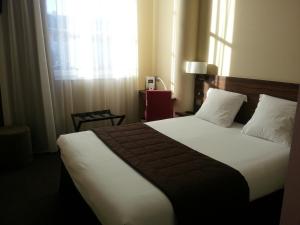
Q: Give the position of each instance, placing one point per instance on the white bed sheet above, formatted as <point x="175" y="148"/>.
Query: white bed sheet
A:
<point x="118" y="195"/>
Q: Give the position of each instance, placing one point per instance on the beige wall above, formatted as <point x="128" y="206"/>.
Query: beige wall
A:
<point x="163" y="42"/>
<point x="173" y="42"/>
<point x="155" y="40"/>
<point x="266" y="38"/>
<point x="145" y="36"/>
<point x="266" y="41"/>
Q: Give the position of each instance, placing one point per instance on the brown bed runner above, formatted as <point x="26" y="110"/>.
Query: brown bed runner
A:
<point x="201" y="189"/>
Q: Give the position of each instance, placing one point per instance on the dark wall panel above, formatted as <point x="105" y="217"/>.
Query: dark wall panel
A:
<point x="291" y="204"/>
<point x="1" y="111"/>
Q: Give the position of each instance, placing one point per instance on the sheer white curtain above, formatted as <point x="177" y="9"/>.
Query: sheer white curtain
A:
<point x="65" y="56"/>
<point x="92" y="49"/>
<point x="26" y="98"/>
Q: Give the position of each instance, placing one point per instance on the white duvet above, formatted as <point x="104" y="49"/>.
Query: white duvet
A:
<point x="118" y="195"/>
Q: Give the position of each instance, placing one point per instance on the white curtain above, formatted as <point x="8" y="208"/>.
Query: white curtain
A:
<point x="92" y="49"/>
<point x="24" y="94"/>
<point x="94" y="39"/>
<point x="66" y="56"/>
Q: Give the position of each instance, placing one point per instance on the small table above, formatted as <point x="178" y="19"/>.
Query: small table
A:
<point x="80" y="118"/>
<point x="142" y="103"/>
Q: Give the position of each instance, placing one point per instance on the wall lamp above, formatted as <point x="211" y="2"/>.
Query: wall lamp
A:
<point x="194" y="67"/>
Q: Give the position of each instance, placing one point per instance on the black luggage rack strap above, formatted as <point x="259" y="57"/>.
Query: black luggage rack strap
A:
<point x="80" y="118"/>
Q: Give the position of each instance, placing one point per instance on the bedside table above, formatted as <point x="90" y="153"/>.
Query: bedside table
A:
<point x="186" y="113"/>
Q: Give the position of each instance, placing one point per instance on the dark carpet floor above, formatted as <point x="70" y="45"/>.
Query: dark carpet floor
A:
<point x="30" y="196"/>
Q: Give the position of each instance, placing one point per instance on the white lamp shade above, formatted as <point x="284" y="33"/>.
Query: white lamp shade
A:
<point x="196" y="67"/>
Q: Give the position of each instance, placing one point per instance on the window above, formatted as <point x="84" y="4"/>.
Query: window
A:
<point x="92" y="39"/>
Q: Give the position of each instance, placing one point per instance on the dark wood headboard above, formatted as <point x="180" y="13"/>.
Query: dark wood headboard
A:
<point x="250" y="87"/>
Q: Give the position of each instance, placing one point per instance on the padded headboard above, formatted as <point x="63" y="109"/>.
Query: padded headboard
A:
<point x="250" y="87"/>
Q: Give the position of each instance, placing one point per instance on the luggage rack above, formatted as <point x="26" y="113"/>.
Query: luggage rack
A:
<point x="80" y="118"/>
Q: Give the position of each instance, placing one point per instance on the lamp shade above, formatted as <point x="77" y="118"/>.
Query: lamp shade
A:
<point x="196" y="67"/>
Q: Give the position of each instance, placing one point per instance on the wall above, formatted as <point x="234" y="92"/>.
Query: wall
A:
<point x="155" y="40"/>
<point x="163" y="12"/>
<point x="176" y="39"/>
<point x="291" y="203"/>
<point x="266" y="40"/>
<point x="1" y="112"/>
<point x="145" y="40"/>
<point x="189" y="43"/>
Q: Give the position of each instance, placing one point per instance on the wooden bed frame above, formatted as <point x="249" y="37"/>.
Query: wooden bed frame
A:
<point x="262" y="211"/>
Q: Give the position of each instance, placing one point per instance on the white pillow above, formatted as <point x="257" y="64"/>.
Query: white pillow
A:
<point x="220" y="107"/>
<point x="272" y="120"/>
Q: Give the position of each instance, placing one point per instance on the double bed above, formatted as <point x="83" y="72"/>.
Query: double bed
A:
<point x="119" y="195"/>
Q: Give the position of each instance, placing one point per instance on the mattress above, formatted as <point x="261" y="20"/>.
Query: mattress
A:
<point x="118" y="195"/>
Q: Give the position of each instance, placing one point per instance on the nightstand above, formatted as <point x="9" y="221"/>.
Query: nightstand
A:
<point x="142" y="103"/>
<point x="186" y="113"/>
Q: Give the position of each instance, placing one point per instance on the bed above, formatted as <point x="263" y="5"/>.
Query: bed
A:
<point x="117" y="194"/>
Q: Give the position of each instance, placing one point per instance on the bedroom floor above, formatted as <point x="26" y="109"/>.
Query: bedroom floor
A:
<point x="30" y="196"/>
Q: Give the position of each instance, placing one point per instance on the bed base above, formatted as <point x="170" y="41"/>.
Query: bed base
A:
<point x="72" y="201"/>
<point x="265" y="210"/>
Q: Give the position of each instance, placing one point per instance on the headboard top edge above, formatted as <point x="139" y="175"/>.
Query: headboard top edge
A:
<point x="236" y="78"/>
